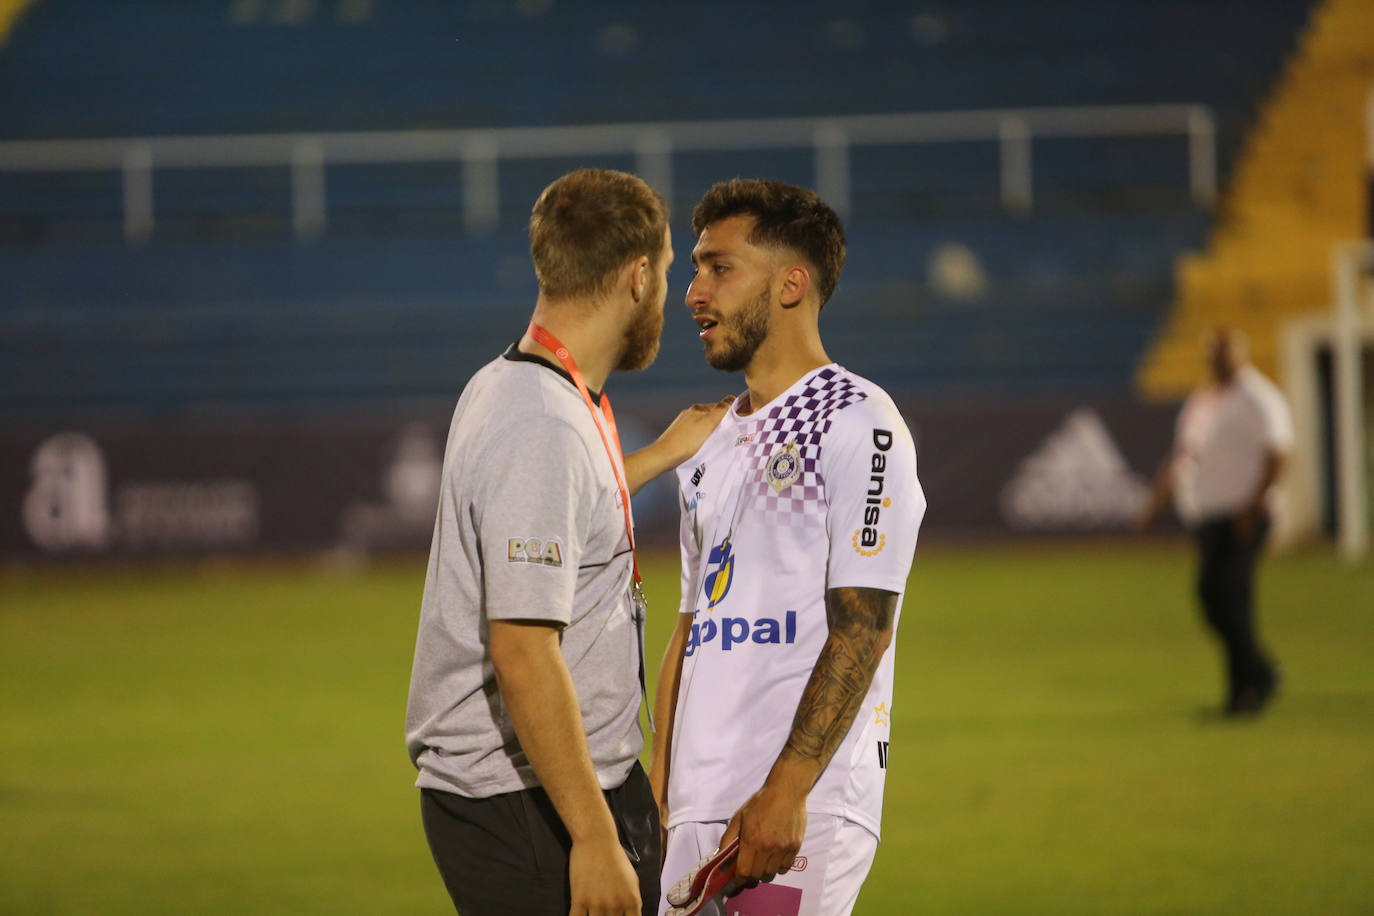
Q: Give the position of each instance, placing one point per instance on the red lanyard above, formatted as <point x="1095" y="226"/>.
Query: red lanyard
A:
<point x="553" y="344"/>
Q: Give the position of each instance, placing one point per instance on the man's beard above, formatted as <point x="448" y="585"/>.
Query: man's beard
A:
<point x="640" y="345"/>
<point x="747" y="330"/>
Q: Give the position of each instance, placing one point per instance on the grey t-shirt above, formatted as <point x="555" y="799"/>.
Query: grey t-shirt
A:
<point x="529" y="528"/>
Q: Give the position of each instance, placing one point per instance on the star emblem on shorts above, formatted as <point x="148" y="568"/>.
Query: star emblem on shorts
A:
<point x="882" y="714"/>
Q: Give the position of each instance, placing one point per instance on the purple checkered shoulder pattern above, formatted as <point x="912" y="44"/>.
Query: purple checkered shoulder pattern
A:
<point x="802" y="419"/>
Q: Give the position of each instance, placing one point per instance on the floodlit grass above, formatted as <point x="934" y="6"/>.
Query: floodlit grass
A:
<point x="228" y="740"/>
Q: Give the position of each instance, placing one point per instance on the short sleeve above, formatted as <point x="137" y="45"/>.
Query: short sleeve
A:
<point x="875" y="502"/>
<point x="1183" y="424"/>
<point x="1277" y="421"/>
<point x="529" y="522"/>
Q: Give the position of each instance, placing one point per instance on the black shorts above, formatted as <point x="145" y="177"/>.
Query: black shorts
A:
<point x="507" y="855"/>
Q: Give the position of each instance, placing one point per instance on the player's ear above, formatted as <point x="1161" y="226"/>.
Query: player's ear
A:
<point x="796" y="280"/>
<point x="638" y="269"/>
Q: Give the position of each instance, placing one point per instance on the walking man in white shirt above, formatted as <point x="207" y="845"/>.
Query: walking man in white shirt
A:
<point x="799" y="517"/>
<point x="1232" y="439"/>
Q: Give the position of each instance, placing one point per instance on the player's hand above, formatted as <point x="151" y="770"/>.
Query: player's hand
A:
<point x="602" y="881"/>
<point x="770" y="826"/>
<point x="689" y="430"/>
<point x="1154" y="506"/>
<point x="1248" y="521"/>
<point x="679" y="442"/>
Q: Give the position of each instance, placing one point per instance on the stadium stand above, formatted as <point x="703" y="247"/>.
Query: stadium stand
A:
<point x="263" y="322"/>
<point x="9" y="14"/>
<point x="222" y="306"/>
<point x="1299" y="189"/>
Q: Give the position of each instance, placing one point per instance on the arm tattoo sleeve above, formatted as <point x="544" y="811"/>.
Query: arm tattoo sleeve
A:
<point x="860" y="621"/>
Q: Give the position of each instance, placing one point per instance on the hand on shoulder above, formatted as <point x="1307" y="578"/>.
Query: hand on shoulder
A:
<point x="691" y="427"/>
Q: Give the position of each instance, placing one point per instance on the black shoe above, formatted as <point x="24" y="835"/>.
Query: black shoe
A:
<point x="1248" y="701"/>
<point x="1251" y="700"/>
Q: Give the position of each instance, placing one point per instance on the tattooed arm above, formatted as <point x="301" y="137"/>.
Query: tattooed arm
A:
<point x="771" y="823"/>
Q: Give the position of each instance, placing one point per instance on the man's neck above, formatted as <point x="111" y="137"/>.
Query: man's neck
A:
<point x="1225" y="381"/>
<point x="579" y="328"/>
<point x="778" y="365"/>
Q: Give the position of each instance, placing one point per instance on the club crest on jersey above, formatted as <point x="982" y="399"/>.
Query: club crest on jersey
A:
<point x="783" y="468"/>
<point x="718" y="579"/>
<point x="543" y="551"/>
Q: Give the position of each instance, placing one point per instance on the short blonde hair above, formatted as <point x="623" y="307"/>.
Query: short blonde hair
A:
<point x="586" y="225"/>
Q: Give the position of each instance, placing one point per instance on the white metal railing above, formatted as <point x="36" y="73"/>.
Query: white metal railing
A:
<point x="653" y="145"/>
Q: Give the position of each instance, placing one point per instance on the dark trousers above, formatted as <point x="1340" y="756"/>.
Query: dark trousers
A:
<point x="1225" y="586"/>
<point x="507" y="855"/>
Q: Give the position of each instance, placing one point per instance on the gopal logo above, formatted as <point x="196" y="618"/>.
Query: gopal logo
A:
<point x="735" y="630"/>
<point x="784" y="467"/>
<point x="718" y="580"/>
<point x="543" y="551"/>
<point x="869" y="541"/>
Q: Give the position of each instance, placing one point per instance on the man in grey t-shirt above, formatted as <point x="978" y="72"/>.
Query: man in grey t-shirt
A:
<point x="523" y="718"/>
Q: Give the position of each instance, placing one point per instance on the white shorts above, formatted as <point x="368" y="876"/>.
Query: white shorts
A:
<point x="834" y="860"/>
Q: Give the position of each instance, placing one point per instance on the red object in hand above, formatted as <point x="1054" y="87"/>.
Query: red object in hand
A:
<point x="707" y="880"/>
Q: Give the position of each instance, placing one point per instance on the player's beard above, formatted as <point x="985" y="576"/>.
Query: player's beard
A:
<point x="640" y="345"/>
<point x="746" y="331"/>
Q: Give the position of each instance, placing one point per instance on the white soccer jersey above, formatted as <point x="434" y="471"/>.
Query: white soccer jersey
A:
<point x="813" y="491"/>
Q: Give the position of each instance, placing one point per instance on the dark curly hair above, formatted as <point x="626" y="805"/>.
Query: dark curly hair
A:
<point x="785" y="216"/>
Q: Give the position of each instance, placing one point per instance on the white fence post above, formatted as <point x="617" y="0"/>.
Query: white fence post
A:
<point x="138" y="193"/>
<point x="654" y="161"/>
<point x="307" y="189"/>
<point x="481" y="191"/>
<point x="1350" y="262"/>
<point x="1014" y="133"/>
<point x="1202" y="157"/>
<point x="832" y="166"/>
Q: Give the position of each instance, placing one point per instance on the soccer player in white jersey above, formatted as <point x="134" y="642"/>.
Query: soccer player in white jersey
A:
<point x="799" y="518"/>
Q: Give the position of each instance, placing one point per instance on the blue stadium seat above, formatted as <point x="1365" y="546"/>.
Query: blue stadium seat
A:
<point x="396" y="300"/>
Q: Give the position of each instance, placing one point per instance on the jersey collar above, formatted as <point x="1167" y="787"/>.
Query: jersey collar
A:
<point x="516" y="355"/>
<point x="757" y="412"/>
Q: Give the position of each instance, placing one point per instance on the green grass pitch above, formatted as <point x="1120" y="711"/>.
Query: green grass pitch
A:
<point x="227" y="740"/>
